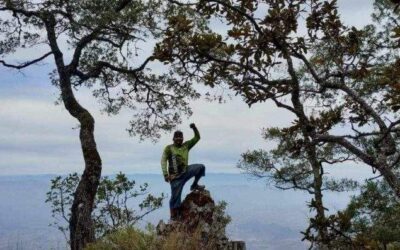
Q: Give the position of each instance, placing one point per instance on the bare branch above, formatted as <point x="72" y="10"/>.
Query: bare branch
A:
<point x="100" y="65"/>
<point x="25" y="64"/>
<point x="346" y="144"/>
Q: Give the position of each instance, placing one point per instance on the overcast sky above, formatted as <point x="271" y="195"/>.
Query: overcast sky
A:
<point x="38" y="137"/>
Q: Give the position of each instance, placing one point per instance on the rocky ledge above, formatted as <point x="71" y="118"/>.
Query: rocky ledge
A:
<point x="201" y="219"/>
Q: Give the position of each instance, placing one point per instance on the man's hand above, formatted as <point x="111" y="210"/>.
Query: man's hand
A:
<point x="192" y="126"/>
<point x="169" y="178"/>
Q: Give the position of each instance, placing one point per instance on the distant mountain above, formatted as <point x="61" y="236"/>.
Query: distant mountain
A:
<point x="265" y="218"/>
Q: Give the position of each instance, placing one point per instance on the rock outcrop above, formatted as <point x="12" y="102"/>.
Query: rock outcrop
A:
<point x="201" y="225"/>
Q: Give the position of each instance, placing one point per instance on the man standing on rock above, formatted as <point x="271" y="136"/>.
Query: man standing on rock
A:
<point x="177" y="172"/>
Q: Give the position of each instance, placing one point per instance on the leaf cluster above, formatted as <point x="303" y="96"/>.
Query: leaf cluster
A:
<point x="370" y="220"/>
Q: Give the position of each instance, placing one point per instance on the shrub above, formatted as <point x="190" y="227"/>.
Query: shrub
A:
<point x="126" y="239"/>
<point x="111" y="210"/>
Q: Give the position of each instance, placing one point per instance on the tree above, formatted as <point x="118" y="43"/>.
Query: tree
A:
<point x="113" y="200"/>
<point x="370" y="221"/>
<point x="287" y="169"/>
<point x="102" y="53"/>
<point x="339" y="82"/>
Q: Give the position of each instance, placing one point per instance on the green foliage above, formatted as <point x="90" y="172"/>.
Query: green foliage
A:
<point x="371" y="220"/>
<point x="60" y="198"/>
<point x="112" y="209"/>
<point x="127" y="239"/>
<point x="222" y="219"/>
<point x="376" y="214"/>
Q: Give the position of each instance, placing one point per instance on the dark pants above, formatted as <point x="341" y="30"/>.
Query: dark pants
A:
<point x="193" y="170"/>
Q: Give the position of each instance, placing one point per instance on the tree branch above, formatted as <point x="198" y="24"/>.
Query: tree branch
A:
<point x="96" y="70"/>
<point x="90" y="37"/>
<point x="346" y="144"/>
<point x="25" y="64"/>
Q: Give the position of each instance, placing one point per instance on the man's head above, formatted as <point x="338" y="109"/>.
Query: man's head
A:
<point x="178" y="138"/>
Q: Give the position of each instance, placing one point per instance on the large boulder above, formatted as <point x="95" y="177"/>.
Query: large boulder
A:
<point x="201" y="221"/>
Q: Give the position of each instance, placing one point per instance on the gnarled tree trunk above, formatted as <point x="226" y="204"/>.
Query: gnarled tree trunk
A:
<point x="80" y="225"/>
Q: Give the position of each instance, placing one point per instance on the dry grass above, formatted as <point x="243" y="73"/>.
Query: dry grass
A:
<point x="126" y="239"/>
<point x="135" y="239"/>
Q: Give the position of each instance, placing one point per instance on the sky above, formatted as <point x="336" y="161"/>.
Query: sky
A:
<point x="39" y="137"/>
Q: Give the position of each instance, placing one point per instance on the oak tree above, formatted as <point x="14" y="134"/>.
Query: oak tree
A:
<point x="339" y="82"/>
<point x="95" y="44"/>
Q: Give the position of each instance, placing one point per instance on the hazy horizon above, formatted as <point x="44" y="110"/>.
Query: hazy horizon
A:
<point x="262" y="216"/>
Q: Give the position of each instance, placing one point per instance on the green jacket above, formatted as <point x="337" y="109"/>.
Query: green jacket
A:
<point x="174" y="160"/>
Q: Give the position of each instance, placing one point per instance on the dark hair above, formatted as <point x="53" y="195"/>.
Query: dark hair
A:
<point x="178" y="133"/>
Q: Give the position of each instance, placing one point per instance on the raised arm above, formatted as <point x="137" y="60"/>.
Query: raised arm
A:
<point x="196" y="137"/>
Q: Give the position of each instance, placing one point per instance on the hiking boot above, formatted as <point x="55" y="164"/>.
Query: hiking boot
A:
<point x="197" y="187"/>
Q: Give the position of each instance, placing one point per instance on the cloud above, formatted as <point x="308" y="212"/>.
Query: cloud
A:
<point x="37" y="133"/>
<point x="356" y="12"/>
<point x="37" y="137"/>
